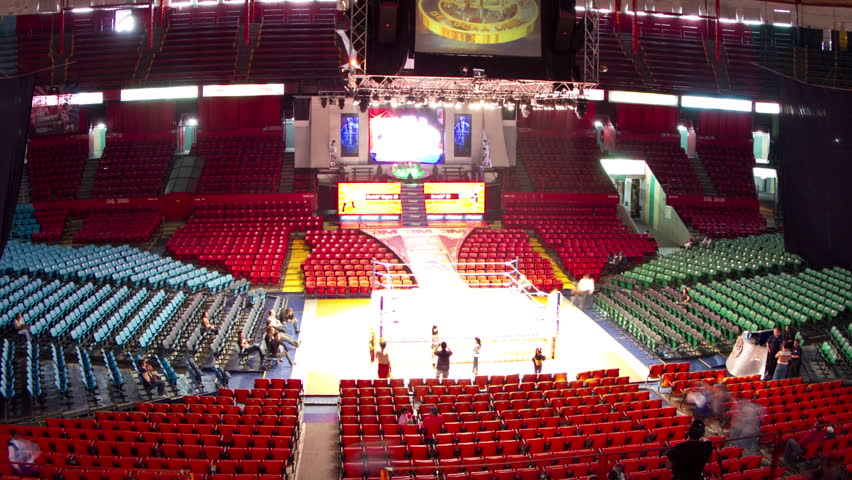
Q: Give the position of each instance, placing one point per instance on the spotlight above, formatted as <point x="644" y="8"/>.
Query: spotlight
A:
<point x="324" y="102"/>
<point x="410" y="99"/>
<point x="460" y="101"/>
<point x="525" y="111"/>
<point x="341" y="102"/>
<point x="356" y="101"/>
<point x="375" y="101"/>
<point x="192" y="122"/>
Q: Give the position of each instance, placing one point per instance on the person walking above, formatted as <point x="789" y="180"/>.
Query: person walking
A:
<point x="477" y="347"/>
<point x="442" y="366"/>
<point x="538" y="361"/>
<point x="384" y="360"/>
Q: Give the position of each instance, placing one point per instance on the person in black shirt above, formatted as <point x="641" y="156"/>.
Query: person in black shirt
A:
<point x="687" y="459"/>
<point x="795" y="360"/>
<point x="773" y="346"/>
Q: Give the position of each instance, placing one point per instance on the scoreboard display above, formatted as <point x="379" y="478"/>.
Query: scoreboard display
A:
<point x="455" y="198"/>
<point x="368" y="199"/>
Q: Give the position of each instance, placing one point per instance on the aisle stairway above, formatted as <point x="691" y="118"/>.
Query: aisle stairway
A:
<point x="557" y="270"/>
<point x="413" y="206"/>
<point x="707" y="185"/>
<point x="293" y="280"/>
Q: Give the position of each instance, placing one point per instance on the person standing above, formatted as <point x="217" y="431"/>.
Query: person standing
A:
<point x="783" y="362"/>
<point x="372" y="346"/>
<point x="538" y="361"/>
<point x="436" y="341"/>
<point x="687" y="459"/>
<point x="745" y="425"/>
<point x="795" y="360"/>
<point x="384" y="360"/>
<point x="477" y="347"/>
<point x="442" y="368"/>
<point x="773" y="346"/>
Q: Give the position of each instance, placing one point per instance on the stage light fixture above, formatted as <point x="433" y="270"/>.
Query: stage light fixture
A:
<point x="324" y="102"/>
<point x="375" y="100"/>
<point x="410" y="99"/>
<point x="364" y="105"/>
<point x="356" y="101"/>
<point x="341" y="102"/>
<point x="525" y="111"/>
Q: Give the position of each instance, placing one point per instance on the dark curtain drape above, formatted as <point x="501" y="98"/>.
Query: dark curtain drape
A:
<point x="141" y="117"/>
<point x="16" y="99"/>
<point x="814" y="149"/>
<point x="723" y="124"/>
<point x="646" y="118"/>
<point x="558" y="119"/>
<point x="229" y="113"/>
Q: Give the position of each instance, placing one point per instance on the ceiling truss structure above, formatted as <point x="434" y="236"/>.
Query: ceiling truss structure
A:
<point x="432" y="90"/>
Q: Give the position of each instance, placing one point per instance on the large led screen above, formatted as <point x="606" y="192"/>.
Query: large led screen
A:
<point x="407" y="135"/>
<point x="455" y="197"/>
<point x="349" y="135"/>
<point x="479" y="27"/>
<point x="368" y="199"/>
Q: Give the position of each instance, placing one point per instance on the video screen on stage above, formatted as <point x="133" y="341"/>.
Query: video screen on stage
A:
<point x="407" y="135"/>
<point x="368" y="199"/>
<point x="479" y="27"/>
<point x="455" y="197"/>
<point x="349" y="135"/>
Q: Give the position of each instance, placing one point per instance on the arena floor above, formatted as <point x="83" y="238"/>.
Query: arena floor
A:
<point x="335" y="345"/>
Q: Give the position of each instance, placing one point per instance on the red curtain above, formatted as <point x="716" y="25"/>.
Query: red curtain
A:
<point x="722" y="124"/>
<point x="229" y="113"/>
<point x="141" y="117"/>
<point x="646" y="118"/>
<point x="558" y="119"/>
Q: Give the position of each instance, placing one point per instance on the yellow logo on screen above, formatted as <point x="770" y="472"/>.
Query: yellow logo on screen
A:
<point x="479" y="21"/>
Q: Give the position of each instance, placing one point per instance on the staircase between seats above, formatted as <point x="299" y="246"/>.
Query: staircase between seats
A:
<point x="707" y="185"/>
<point x="413" y="205"/>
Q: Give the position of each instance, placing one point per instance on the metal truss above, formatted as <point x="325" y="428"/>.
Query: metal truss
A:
<point x="591" y="48"/>
<point x="358" y="13"/>
<point x="466" y="88"/>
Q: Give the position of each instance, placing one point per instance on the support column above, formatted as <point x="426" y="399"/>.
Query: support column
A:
<point x="150" y="24"/>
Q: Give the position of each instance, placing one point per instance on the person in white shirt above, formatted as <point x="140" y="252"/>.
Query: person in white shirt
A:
<point x="585" y="289"/>
<point x="22" y="454"/>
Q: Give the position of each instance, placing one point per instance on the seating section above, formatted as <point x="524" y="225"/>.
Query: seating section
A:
<point x="341" y="263"/>
<point x="675" y="55"/>
<point x="300" y="45"/>
<point x="24" y="223"/>
<point x="100" y="59"/>
<point x="559" y="163"/>
<point x="621" y="72"/>
<point x="54" y="167"/>
<point x="120" y="225"/>
<point x="239" y="164"/>
<point x="133" y="168"/>
<point x="730" y="167"/>
<point x="726" y="258"/>
<point x="485" y="253"/>
<point x="666" y="159"/>
<point x="658" y="322"/>
<point x="179" y="60"/>
<point x="740" y="55"/>
<point x="582" y="234"/>
<point x="249" y="239"/>
<point x="839" y="340"/>
<point x="506" y="427"/>
<point x="239" y="434"/>
<point x="101" y="264"/>
<point x="51" y="224"/>
<point x="723" y="222"/>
